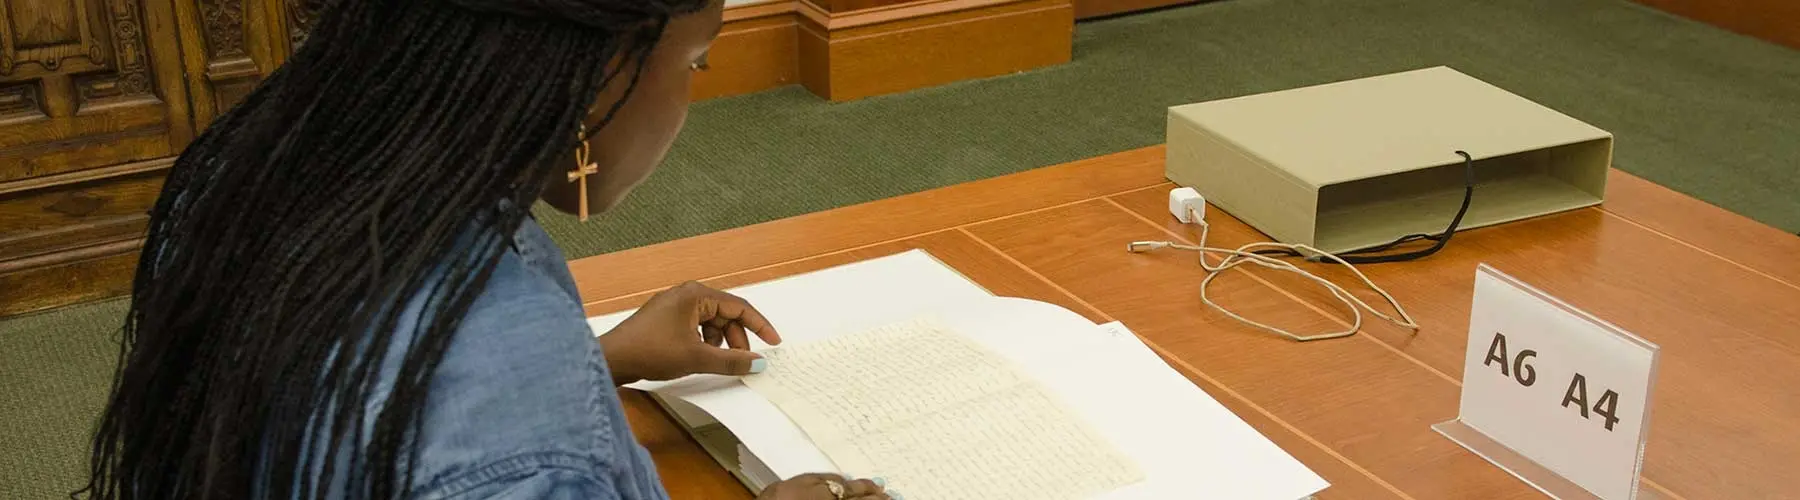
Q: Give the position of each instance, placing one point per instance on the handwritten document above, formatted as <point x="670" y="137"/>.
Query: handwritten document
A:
<point x="938" y="416"/>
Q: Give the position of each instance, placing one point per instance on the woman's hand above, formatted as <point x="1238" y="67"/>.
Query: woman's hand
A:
<point x="686" y="330"/>
<point x="818" y="487"/>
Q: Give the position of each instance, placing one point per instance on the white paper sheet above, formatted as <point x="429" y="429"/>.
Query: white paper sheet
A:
<point x="938" y="416"/>
<point x="805" y="307"/>
<point x="1188" y="445"/>
<point x="1228" y="458"/>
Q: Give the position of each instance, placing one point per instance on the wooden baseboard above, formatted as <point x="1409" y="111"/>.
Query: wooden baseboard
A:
<point x="94" y="273"/>
<point x="1096" y="8"/>
<point x="870" y="52"/>
<point x="756" y="50"/>
<point x="850" y="5"/>
<point x="882" y="47"/>
<point x="72" y="238"/>
<point x="1773" y="20"/>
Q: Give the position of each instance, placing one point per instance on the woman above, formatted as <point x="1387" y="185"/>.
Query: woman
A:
<point x="343" y="294"/>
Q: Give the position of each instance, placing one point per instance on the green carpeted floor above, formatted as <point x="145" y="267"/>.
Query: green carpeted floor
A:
<point x="1705" y="112"/>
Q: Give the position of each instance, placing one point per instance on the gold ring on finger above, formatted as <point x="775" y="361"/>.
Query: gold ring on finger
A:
<point x="836" y="488"/>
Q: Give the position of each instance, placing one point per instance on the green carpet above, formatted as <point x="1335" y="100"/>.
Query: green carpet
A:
<point x="1703" y="111"/>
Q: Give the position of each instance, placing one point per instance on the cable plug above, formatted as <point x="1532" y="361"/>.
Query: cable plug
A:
<point x="1145" y="246"/>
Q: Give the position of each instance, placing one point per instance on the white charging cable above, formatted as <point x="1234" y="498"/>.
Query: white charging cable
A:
<point x="1186" y="201"/>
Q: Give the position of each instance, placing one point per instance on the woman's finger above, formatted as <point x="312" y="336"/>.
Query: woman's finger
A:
<point x="718" y="321"/>
<point x="814" y="485"/>
<point x="735" y="337"/>
<point x="712" y="335"/>
<point x="733" y="307"/>
<point x="864" y="489"/>
<point x="736" y="362"/>
<point x="860" y="489"/>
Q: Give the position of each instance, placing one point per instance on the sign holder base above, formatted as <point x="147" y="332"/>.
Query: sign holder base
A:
<point x="1524" y="468"/>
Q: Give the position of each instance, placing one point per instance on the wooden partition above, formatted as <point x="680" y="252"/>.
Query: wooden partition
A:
<point x="757" y="49"/>
<point x="1773" y="20"/>
<point x="883" y="50"/>
<point x="851" y="49"/>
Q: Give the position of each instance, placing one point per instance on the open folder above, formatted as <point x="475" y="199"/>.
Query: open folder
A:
<point x="1176" y="441"/>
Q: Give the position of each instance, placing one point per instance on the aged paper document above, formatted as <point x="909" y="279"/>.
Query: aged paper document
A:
<point x="938" y="416"/>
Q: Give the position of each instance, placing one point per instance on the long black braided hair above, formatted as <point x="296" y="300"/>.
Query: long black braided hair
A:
<point x="297" y="225"/>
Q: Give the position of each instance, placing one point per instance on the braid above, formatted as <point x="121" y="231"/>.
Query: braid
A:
<point x="292" y="233"/>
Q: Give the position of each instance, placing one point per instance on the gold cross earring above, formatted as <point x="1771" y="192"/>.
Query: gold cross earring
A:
<point x="583" y="168"/>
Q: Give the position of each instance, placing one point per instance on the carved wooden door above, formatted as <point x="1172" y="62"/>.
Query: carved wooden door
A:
<point x="230" y="45"/>
<point x="88" y="83"/>
<point x="96" y="98"/>
<point x="92" y="103"/>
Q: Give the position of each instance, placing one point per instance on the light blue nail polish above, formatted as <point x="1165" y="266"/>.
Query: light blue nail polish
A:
<point x="879" y="481"/>
<point x="758" y="365"/>
<point x="895" y="495"/>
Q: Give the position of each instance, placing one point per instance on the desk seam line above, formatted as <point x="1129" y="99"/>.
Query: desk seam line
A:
<point x="1698" y="248"/>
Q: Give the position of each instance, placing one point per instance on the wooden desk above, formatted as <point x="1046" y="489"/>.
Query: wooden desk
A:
<point x="1719" y="293"/>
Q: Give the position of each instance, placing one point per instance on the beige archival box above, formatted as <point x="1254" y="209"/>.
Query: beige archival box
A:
<point x="1354" y="164"/>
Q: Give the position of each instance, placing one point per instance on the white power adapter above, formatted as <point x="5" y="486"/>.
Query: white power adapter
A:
<point x="1185" y="204"/>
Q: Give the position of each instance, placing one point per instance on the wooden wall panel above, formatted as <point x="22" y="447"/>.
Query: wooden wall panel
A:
<point x="74" y="242"/>
<point x="930" y="42"/>
<point x="849" y="49"/>
<point x="88" y="83"/>
<point x="35" y="214"/>
<point x="96" y="98"/>
<point x="105" y="273"/>
<point x="297" y="19"/>
<point x="756" y="50"/>
<point x="227" y="54"/>
<point x="813" y="59"/>
<point x="92" y="104"/>
<point x="1773" y="20"/>
<point x="850" y="5"/>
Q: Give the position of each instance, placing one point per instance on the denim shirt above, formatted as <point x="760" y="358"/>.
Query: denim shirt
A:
<point x="522" y="405"/>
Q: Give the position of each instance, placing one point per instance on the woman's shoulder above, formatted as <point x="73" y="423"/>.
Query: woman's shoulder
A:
<point x="522" y="375"/>
<point x="522" y="391"/>
<point x="539" y="255"/>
